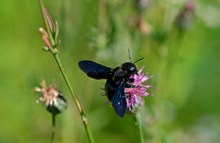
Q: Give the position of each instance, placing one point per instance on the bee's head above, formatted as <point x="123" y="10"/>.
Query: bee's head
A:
<point x="129" y="68"/>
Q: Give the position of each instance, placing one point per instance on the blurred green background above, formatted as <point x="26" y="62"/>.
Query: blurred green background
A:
<point x="181" y="54"/>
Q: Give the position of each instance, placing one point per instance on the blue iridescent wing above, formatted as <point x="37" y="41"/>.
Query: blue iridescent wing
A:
<point x="95" y="70"/>
<point x="118" y="101"/>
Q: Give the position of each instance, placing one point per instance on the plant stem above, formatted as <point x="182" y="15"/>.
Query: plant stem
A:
<point x="138" y="123"/>
<point x="53" y="128"/>
<point x="54" y="52"/>
<point x="78" y="105"/>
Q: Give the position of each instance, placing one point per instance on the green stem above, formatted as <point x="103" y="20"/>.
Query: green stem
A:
<point x="54" y="52"/>
<point x="53" y="128"/>
<point x="138" y="123"/>
<point x="78" y="105"/>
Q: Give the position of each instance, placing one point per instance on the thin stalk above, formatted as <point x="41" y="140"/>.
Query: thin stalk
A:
<point x="78" y="105"/>
<point x="52" y="140"/>
<point x="54" y="52"/>
<point x="138" y="123"/>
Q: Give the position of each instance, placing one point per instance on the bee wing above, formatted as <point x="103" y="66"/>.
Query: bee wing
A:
<point x="95" y="70"/>
<point x="118" y="101"/>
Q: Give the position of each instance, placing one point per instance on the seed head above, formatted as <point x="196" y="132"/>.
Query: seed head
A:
<point x="53" y="100"/>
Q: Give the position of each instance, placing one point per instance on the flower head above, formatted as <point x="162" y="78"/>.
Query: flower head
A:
<point x="136" y="92"/>
<point x="51" y="97"/>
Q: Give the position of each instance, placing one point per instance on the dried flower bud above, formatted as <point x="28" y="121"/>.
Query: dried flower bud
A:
<point x="140" y="24"/>
<point x="51" y="40"/>
<point x="141" y="4"/>
<point x="54" y="101"/>
<point x="56" y="31"/>
<point x="49" y="20"/>
<point x="185" y="18"/>
<point x="44" y="36"/>
<point x="45" y="48"/>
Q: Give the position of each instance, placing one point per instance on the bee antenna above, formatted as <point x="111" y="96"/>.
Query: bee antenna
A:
<point x="129" y="54"/>
<point x="138" y="60"/>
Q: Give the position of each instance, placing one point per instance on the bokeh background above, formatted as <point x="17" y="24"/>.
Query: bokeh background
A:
<point x="178" y="39"/>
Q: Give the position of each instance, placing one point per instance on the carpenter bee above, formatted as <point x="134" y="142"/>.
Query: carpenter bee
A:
<point x="117" y="80"/>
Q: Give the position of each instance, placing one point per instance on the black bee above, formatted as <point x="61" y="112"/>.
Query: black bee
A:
<point x="117" y="79"/>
